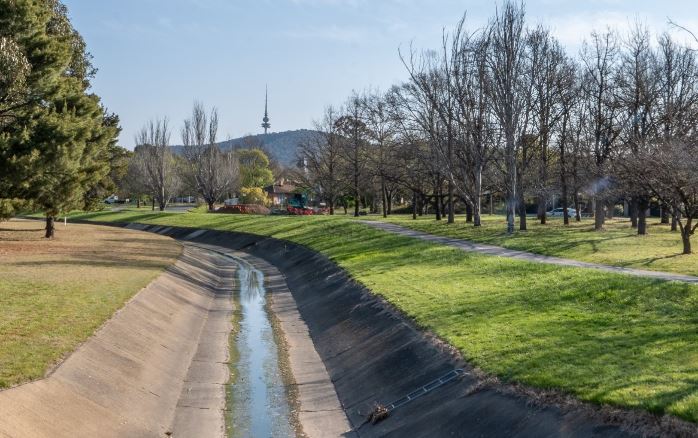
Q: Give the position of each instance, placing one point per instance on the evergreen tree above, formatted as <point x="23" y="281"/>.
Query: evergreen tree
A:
<point x="54" y="134"/>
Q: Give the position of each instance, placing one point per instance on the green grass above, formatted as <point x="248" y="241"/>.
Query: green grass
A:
<point x="618" y="244"/>
<point x="55" y="294"/>
<point x="603" y="337"/>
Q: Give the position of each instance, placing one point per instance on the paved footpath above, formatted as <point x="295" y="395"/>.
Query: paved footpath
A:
<point x="467" y="245"/>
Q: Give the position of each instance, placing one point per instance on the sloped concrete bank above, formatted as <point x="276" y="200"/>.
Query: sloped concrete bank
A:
<point x="374" y="355"/>
<point x="157" y="368"/>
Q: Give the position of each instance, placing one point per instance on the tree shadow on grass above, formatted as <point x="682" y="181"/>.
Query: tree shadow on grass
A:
<point x="87" y="262"/>
<point x="622" y="368"/>
<point x="109" y="259"/>
<point x="650" y="260"/>
<point x="37" y="230"/>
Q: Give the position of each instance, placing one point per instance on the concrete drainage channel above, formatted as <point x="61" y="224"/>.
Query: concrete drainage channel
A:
<point x="279" y="386"/>
<point x="314" y="354"/>
<point x="258" y="403"/>
<point x="373" y="357"/>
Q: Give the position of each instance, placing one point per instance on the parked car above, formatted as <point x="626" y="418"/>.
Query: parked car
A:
<point x="559" y="212"/>
<point x="185" y="200"/>
<point x="113" y="199"/>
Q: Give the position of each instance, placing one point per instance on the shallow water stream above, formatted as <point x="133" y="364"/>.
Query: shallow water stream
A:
<point x="258" y="399"/>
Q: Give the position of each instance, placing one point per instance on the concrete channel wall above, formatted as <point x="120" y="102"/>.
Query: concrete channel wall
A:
<point x="157" y="368"/>
<point x="373" y="355"/>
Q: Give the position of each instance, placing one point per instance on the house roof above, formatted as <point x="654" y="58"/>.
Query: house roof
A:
<point x="280" y="188"/>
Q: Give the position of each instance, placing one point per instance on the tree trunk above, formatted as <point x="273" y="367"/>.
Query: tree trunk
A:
<point x="633" y="212"/>
<point x="491" y="204"/>
<point x="541" y="209"/>
<point x="384" y="198"/>
<point x="468" y="213"/>
<point x="331" y="207"/>
<point x="686" y="239"/>
<point x="511" y="184"/>
<point x="477" y="207"/>
<point x="578" y="214"/>
<point x="522" y="214"/>
<point x="599" y="215"/>
<point x="643" y="205"/>
<point x="609" y="210"/>
<point x="138" y="202"/>
<point x="442" y="202"/>
<point x="414" y="205"/>
<point x="153" y="207"/>
<point x="674" y="221"/>
<point x="210" y="205"/>
<point x="357" y="195"/>
<point x="451" y="213"/>
<point x="664" y="213"/>
<point x="565" y="204"/>
<point x="50" y="227"/>
<point x="686" y="235"/>
<point x="437" y="206"/>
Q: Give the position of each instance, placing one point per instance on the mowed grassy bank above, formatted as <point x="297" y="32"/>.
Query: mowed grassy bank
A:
<point x="605" y="337"/>
<point x="55" y="293"/>
<point x="618" y="244"/>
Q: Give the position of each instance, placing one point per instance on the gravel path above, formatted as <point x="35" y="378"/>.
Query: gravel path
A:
<point x="467" y="245"/>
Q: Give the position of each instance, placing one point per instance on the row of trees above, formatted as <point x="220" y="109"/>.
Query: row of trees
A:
<point x="57" y="143"/>
<point x="506" y="110"/>
<point x="202" y="169"/>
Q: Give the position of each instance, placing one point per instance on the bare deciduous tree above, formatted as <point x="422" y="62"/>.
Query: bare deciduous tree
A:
<point x="509" y="90"/>
<point x="155" y="161"/>
<point x="212" y="172"/>
<point x="320" y="159"/>
<point x="599" y="63"/>
<point x="668" y="172"/>
<point x="353" y="151"/>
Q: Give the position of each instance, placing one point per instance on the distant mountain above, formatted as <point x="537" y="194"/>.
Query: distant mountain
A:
<point x="281" y="145"/>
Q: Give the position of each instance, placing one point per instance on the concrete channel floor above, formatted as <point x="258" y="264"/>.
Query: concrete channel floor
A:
<point x="319" y="411"/>
<point x="467" y="245"/>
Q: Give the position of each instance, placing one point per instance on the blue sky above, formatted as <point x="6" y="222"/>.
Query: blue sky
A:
<point x="155" y="57"/>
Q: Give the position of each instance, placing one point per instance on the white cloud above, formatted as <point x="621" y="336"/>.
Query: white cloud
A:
<point x="572" y="30"/>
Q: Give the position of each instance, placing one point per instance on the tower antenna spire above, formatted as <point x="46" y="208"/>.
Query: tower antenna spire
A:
<point x="265" y="121"/>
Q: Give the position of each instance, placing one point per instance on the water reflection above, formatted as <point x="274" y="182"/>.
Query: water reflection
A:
<point x="259" y="403"/>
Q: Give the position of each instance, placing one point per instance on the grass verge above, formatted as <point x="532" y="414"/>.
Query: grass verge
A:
<point x="55" y="293"/>
<point x="606" y="338"/>
<point x="618" y="244"/>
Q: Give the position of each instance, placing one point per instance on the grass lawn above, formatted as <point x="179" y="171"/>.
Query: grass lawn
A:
<point x="55" y="294"/>
<point x="618" y="244"/>
<point x="604" y="337"/>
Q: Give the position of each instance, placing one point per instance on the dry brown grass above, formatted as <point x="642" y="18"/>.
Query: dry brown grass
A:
<point x="55" y="293"/>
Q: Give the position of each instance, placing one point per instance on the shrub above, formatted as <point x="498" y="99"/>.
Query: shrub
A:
<point x="254" y="195"/>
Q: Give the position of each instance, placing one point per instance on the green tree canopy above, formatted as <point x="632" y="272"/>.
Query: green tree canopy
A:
<point x="54" y="134"/>
<point x="254" y="168"/>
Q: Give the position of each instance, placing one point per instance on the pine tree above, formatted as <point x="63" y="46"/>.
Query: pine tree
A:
<point x="54" y="134"/>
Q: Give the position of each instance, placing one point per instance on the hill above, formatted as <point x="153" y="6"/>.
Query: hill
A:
<point x="281" y="145"/>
